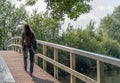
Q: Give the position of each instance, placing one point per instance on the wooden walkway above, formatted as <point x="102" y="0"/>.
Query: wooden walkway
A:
<point x="14" y="61"/>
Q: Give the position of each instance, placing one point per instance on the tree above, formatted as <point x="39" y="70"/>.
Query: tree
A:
<point x="58" y="8"/>
<point x="10" y="19"/>
<point x="111" y="24"/>
<point x="90" y="40"/>
<point x="116" y="13"/>
<point x="45" y="28"/>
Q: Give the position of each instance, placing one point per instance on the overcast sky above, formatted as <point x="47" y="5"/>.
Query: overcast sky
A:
<point x="100" y="8"/>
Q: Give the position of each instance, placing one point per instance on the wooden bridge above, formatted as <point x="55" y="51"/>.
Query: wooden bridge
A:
<point x="14" y="61"/>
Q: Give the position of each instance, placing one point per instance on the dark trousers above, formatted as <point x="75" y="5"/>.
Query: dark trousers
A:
<point x="25" y="53"/>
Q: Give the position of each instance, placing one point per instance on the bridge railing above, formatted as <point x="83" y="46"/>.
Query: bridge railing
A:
<point x="14" y="44"/>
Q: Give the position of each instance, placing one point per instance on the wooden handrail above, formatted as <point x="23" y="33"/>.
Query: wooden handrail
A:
<point x="95" y="56"/>
<point x="100" y="59"/>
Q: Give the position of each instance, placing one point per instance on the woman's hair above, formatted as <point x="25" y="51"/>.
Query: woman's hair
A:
<point x="27" y="32"/>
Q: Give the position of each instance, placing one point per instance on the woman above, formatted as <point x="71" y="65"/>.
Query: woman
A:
<point x="28" y="44"/>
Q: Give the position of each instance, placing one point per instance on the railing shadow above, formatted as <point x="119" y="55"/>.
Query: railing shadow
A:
<point x="39" y="80"/>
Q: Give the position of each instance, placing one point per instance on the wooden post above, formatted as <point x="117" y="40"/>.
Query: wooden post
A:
<point x="19" y="41"/>
<point x="56" y="59"/>
<point x="7" y="48"/>
<point x="44" y="53"/>
<point x="21" y="51"/>
<point x="72" y="66"/>
<point x="14" y="43"/>
<point x="100" y="72"/>
<point x="13" y="48"/>
<point x="11" y="41"/>
<point x="36" y="59"/>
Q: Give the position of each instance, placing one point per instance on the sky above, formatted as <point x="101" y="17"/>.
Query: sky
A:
<point x="100" y="9"/>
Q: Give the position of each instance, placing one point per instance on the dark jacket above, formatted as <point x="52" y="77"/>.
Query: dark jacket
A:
<point x="29" y="42"/>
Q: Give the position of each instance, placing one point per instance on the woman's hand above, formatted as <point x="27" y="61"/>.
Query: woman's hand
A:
<point x="35" y="51"/>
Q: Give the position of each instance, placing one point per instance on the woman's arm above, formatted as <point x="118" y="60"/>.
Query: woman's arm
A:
<point x="34" y="43"/>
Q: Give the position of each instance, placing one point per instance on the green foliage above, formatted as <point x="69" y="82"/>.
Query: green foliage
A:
<point x="116" y="13"/>
<point x="79" y="38"/>
<point x="73" y="8"/>
<point x="2" y="38"/>
<point x="30" y="2"/>
<point x="111" y="24"/>
<point x="58" y="8"/>
<point x="47" y="28"/>
<point x="112" y="48"/>
<point x="10" y="19"/>
<point x="90" y="40"/>
<point x="104" y="41"/>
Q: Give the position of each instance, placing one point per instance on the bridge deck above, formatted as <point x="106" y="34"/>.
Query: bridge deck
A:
<point x="14" y="61"/>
